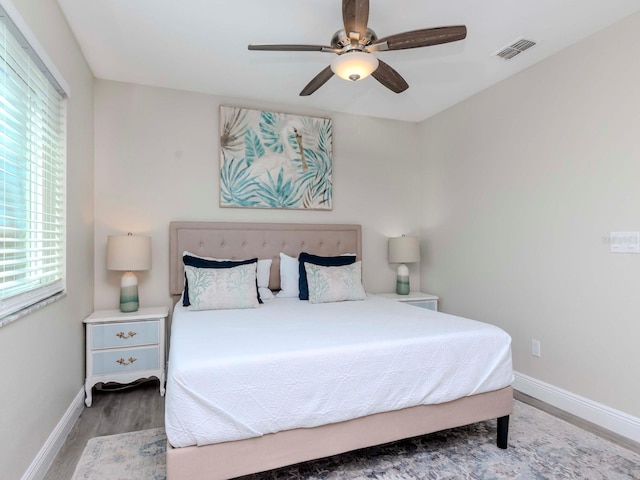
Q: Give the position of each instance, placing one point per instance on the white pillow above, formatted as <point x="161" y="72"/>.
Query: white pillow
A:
<point x="335" y="284"/>
<point x="289" y="276"/>
<point x="265" y="294"/>
<point x="221" y="288"/>
<point x="264" y="267"/>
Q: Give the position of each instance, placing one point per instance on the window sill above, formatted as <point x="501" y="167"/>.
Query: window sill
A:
<point x="32" y="308"/>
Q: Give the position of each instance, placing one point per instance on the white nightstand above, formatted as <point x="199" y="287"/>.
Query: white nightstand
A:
<point x="418" y="299"/>
<point x="124" y="347"/>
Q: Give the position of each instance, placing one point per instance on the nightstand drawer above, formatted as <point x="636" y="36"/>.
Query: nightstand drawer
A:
<point x="428" y="304"/>
<point x="125" y="334"/>
<point x="125" y="360"/>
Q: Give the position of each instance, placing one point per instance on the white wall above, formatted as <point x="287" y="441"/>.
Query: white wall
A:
<point x="42" y="355"/>
<point x="522" y="184"/>
<point x="157" y="161"/>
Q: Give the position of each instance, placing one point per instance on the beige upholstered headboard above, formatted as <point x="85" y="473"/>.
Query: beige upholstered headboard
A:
<point x="262" y="240"/>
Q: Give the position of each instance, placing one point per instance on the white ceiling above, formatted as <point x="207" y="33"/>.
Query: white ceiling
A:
<point x="201" y="46"/>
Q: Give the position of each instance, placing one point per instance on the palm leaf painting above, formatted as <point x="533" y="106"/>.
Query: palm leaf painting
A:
<point x="280" y="192"/>
<point x="275" y="160"/>
<point x="233" y="131"/>
<point x="237" y="185"/>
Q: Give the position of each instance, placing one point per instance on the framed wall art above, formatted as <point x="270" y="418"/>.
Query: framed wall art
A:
<point x="275" y="160"/>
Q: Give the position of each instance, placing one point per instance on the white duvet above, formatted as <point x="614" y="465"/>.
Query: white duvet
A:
<point x="236" y="374"/>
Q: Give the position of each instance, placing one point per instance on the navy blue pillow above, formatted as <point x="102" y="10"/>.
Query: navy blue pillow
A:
<point x="203" y="263"/>
<point x="339" y="261"/>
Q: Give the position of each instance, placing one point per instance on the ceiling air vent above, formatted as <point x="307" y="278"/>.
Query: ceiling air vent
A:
<point x="515" y="48"/>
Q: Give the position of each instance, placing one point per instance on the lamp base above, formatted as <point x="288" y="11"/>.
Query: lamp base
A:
<point x="402" y="282"/>
<point x="129" y="293"/>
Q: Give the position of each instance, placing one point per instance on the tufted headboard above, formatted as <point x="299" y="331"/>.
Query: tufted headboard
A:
<point x="262" y="240"/>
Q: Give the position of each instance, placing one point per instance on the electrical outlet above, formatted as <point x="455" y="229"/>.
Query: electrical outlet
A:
<point x="535" y="348"/>
<point x="624" y="242"/>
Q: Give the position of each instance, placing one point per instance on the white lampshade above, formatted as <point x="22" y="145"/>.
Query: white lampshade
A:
<point x="128" y="253"/>
<point x="354" y="65"/>
<point x="404" y="249"/>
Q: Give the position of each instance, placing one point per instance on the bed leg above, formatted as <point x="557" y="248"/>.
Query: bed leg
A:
<point x="503" y="431"/>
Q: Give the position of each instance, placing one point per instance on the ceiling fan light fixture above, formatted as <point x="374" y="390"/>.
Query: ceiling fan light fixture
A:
<point x="354" y="65"/>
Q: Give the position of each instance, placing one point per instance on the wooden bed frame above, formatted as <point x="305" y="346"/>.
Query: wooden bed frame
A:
<point x="232" y="459"/>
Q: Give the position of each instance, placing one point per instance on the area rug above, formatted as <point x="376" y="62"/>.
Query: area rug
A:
<point x="540" y="447"/>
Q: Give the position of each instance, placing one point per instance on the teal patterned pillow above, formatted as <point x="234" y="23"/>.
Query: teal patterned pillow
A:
<point x="220" y="288"/>
<point x="335" y="284"/>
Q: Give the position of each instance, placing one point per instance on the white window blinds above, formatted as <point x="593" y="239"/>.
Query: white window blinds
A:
<point x="32" y="172"/>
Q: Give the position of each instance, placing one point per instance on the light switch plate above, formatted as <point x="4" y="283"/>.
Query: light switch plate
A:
<point x="624" y="242"/>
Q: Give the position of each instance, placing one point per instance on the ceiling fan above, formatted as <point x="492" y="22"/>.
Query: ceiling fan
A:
<point x="355" y="44"/>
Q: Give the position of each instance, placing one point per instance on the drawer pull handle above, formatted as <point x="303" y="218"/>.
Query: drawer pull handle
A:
<point x="122" y="361"/>
<point x="124" y="336"/>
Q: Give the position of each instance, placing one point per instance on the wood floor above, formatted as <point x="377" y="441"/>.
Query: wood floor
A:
<point x="137" y="408"/>
<point x="142" y="407"/>
<point x="579" y="422"/>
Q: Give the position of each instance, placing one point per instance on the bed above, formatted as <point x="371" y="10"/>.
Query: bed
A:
<point x="289" y="381"/>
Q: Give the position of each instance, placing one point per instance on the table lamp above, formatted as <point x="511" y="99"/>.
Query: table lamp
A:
<point x="403" y="250"/>
<point x="128" y="253"/>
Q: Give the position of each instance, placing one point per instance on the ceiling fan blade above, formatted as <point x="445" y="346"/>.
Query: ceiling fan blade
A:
<point x="292" y="48"/>
<point x="317" y="82"/>
<point x="355" y="15"/>
<point x="388" y="77"/>
<point x="421" y="38"/>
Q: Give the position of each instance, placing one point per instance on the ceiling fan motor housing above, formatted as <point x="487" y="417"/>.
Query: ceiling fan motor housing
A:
<point x="342" y="41"/>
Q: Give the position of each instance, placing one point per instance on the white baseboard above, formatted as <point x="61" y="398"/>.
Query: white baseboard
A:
<point x="596" y="413"/>
<point x="52" y="446"/>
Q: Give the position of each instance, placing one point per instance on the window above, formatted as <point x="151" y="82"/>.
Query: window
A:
<point x="32" y="172"/>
